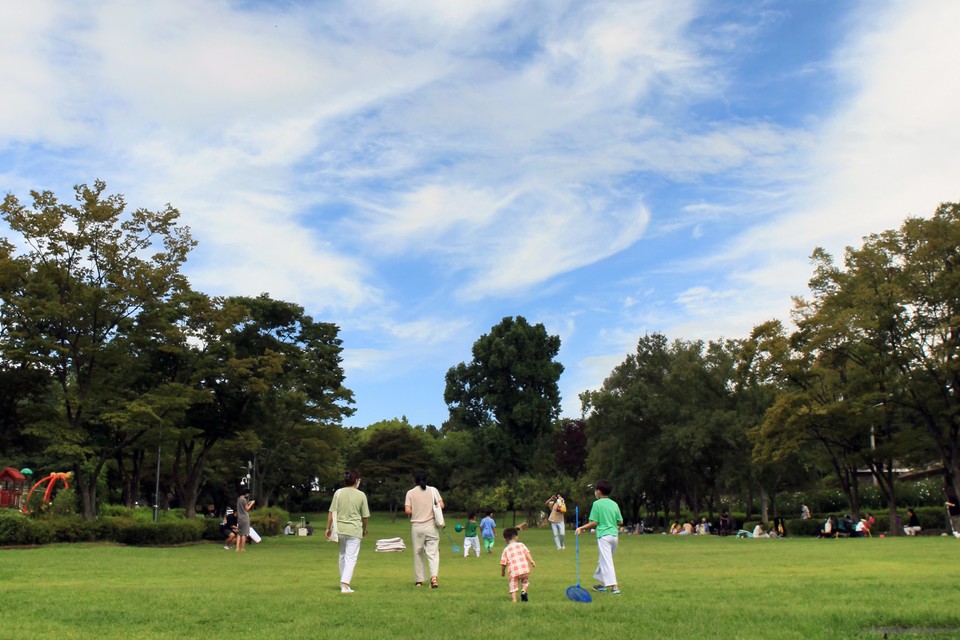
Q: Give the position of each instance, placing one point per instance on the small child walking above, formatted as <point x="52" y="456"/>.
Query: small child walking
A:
<point x="488" y="531"/>
<point x="517" y="560"/>
<point x="470" y="537"/>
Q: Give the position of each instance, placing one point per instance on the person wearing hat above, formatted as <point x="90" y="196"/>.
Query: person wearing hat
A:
<point x="228" y="528"/>
<point x="288" y="530"/>
<point x="243" y="518"/>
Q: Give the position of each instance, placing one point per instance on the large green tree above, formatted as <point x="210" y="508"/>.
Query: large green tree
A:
<point x="663" y="425"/>
<point x="269" y="376"/>
<point x="72" y="302"/>
<point x="509" y="394"/>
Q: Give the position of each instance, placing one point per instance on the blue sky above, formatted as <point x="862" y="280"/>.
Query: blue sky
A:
<point x="416" y="171"/>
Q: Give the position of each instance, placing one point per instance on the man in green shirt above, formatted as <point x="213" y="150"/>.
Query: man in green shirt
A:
<point x="605" y="516"/>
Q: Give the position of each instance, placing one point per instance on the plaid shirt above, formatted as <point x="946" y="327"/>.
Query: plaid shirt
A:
<point x="517" y="559"/>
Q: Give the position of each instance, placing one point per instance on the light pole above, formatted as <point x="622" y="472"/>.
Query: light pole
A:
<point x="156" y="491"/>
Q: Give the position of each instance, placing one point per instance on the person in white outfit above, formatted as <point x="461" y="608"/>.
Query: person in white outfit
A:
<point x="913" y="523"/>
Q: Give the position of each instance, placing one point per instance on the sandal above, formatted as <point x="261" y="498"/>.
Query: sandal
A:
<point x="418" y="584"/>
<point x="433" y="583"/>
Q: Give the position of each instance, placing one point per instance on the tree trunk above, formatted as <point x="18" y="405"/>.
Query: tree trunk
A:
<point x="188" y="487"/>
<point x="764" y="505"/>
<point x="130" y="492"/>
<point x="87" y="488"/>
<point x="88" y="494"/>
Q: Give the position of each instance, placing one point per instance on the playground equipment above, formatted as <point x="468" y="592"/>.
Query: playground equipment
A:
<point x="51" y="481"/>
<point x="11" y="487"/>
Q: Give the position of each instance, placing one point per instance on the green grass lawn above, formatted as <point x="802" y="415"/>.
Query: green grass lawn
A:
<point x="673" y="587"/>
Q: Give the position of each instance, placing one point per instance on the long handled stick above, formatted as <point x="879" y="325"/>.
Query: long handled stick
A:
<point x="578" y="593"/>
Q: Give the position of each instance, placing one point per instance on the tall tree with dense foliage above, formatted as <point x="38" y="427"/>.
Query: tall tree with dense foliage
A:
<point x="662" y="426"/>
<point x="509" y="393"/>
<point x="272" y="378"/>
<point x="71" y="303"/>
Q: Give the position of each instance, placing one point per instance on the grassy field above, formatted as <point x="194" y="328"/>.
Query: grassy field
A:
<point x="672" y="588"/>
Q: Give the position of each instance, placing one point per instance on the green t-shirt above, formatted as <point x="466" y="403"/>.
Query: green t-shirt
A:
<point x="351" y="506"/>
<point x="606" y="513"/>
<point x="470" y="529"/>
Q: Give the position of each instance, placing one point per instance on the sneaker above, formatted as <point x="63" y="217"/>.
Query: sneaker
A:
<point x="523" y="597"/>
<point x="346" y="590"/>
<point x="227" y="547"/>
<point x="599" y="587"/>
<point x="615" y="592"/>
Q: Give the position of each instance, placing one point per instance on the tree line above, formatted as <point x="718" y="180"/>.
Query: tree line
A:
<point x="108" y="356"/>
<point x="112" y="365"/>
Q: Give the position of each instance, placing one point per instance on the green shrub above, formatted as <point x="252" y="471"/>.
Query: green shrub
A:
<point x="64" y="503"/>
<point x="269" y="521"/>
<point x="211" y="529"/>
<point x="801" y="528"/>
<point x="930" y="517"/>
<point x="317" y="503"/>
<point x="110" y="528"/>
<point x="16" y="529"/>
<point x="162" y="533"/>
<point x="116" y="510"/>
<point x="72" y="529"/>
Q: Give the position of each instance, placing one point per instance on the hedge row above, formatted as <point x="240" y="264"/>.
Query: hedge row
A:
<point x="17" y="529"/>
<point x="126" y="526"/>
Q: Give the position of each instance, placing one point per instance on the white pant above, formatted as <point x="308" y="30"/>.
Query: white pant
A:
<point x="912" y="531"/>
<point x="471" y="541"/>
<point x="605" y="573"/>
<point x="559" y="531"/>
<point x="426" y="544"/>
<point x="349" y="550"/>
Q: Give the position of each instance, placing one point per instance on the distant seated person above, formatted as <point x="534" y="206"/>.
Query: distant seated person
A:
<point x="675" y="528"/>
<point x="829" y="528"/>
<point x="847" y="525"/>
<point x="703" y="528"/>
<point x="309" y="528"/>
<point x="779" y="528"/>
<point x="288" y="530"/>
<point x="758" y="531"/>
<point x="913" y="523"/>
<point x="228" y="528"/>
<point x="687" y="529"/>
<point x="861" y="529"/>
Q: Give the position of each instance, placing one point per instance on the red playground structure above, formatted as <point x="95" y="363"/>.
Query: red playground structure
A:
<point x="52" y="481"/>
<point x="11" y="487"/>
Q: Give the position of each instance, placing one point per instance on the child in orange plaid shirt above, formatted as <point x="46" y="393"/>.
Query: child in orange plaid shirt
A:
<point x="517" y="559"/>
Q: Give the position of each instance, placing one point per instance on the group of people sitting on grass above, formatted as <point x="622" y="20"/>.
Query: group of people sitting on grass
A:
<point x="777" y="530"/>
<point x="691" y="528"/>
<point x="847" y="527"/>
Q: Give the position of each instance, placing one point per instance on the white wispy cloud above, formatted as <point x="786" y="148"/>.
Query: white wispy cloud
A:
<point x="496" y="149"/>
